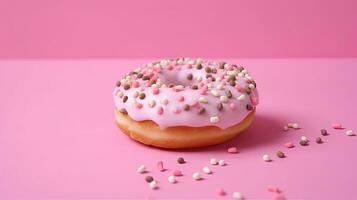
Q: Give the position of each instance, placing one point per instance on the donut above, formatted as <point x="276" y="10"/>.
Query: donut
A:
<point x="185" y="103"/>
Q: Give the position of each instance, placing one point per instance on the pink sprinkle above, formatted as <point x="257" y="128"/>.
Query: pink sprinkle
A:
<point x="154" y="77"/>
<point x="273" y="189"/>
<point x="230" y="67"/>
<point x="170" y="67"/>
<point x="160" y="166"/>
<point x="220" y="192"/>
<point x="155" y="90"/>
<point x="203" y="90"/>
<point x="176" y="110"/>
<point x="337" y="126"/>
<point x="135" y="84"/>
<point x="189" y="66"/>
<point x="139" y="105"/>
<point x="181" y="98"/>
<point x="233" y="150"/>
<point x="254" y="100"/>
<point x="177" y="172"/>
<point x="194" y="104"/>
<point x="160" y="110"/>
<point x="289" y="145"/>
<point x="147" y="84"/>
<point x="232" y="106"/>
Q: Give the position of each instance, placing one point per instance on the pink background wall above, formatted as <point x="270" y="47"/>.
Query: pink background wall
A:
<point x="163" y="28"/>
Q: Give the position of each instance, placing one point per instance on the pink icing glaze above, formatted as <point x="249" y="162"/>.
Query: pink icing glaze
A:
<point x="169" y="102"/>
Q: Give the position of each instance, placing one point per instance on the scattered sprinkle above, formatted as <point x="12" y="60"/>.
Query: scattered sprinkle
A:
<point x="223" y="99"/>
<point x="304" y="138"/>
<point x="155" y="90"/>
<point x="213" y="161"/>
<point x="206" y="170"/>
<point x="153" y="185"/>
<point x="177" y="172"/>
<point x="141" y="169"/>
<point x="295" y="126"/>
<point x="232" y="150"/>
<point x="350" y="133"/>
<point x="241" y="97"/>
<point x="196" y="176"/>
<point x="172" y="179"/>
<point x="149" y="179"/>
<point x="221" y="162"/>
<point x="180" y="160"/>
<point x="214" y="119"/>
<point x="160" y="166"/>
<point x="318" y="140"/>
<point x="286" y="128"/>
<point x="280" y="154"/>
<point x="289" y="145"/>
<point x="303" y="142"/>
<point x="201" y="110"/>
<point x="220" y="192"/>
<point x="323" y="132"/>
<point x="266" y="158"/>
<point x="337" y="126"/>
<point x="160" y="110"/>
<point x="237" y="196"/>
<point x="202" y="100"/>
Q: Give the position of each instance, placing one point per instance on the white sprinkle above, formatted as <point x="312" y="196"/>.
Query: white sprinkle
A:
<point x="155" y="85"/>
<point x="266" y="158"/>
<point x="172" y="179"/>
<point x="199" y="78"/>
<point x="240" y="74"/>
<point x="244" y="71"/>
<point x="196" y="176"/>
<point x="157" y="65"/>
<point x="237" y="196"/>
<point x="214" y="93"/>
<point x="223" y="99"/>
<point x="290" y="125"/>
<point x="304" y="138"/>
<point x="164" y="101"/>
<point x="226" y="65"/>
<point x="202" y="100"/>
<point x="120" y="94"/>
<point x="191" y="62"/>
<point x="214" y="119"/>
<point x="350" y="133"/>
<point x="136" y="94"/>
<point x="179" y="87"/>
<point x="180" y="62"/>
<point x="153" y="185"/>
<point x="209" y="85"/>
<point x="231" y="73"/>
<point x="207" y="170"/>
<point x="241" y="97"/>
<point x="220" y="87"/>
<point x="186" y="59"/>
<point x="295" y="125"/>
<point x="141" y="169"/>
<point x="286" y="128"/>
<point x="140" y="89"/>
<point x="152" y="103"/>
<point x="213" y="161"/>
<point x="222" y="162"/>
<point x="199" y="60"/>
<point x="149" y="64"/>
<point x="218" y="79"/>
<point x="251" y="86"/>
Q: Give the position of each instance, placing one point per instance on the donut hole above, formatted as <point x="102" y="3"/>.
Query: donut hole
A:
<point x="176" y="79"/>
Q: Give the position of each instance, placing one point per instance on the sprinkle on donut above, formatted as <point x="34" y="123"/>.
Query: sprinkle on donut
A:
<point x="170" y="90"/>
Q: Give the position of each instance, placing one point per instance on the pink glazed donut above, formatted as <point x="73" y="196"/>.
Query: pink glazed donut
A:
<point x="185" y="103"/>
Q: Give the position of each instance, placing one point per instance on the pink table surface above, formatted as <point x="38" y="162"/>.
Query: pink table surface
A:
<point x="58" y="139"/>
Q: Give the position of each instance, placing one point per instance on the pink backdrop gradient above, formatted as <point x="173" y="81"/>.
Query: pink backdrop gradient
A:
<point x="58" y="138"/>
<point x="161" y="28"/>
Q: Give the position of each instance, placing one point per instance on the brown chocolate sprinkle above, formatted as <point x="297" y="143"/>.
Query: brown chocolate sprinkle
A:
<point x="186" y="107"/>
<point x="199" y="66"/>
<point x="208" y="76"/>
<point x="126" y="86"/>
<point x="145" y="78"/>
<point x="232" y="83"/>
<point x="201" y="110"/>
<point x="229" y="94"/>
<point x="231" y="78"/>
<point x="194" y="87"/>
<point x="214" y="70"/>
<point x="249" y="107"/>
<point x="303" y="142"/>
<point x="323" y="132"/>
<point x="139" y="75"/>
<point x="180" y="160"/>
<point x="142" y="96"/>
<point x="208" y="69"/>
<point x="125" y="98"/>
<point x="118" y="83"/>
<point x="152" y="82"/>
<point x="149" y="179"/>
<point x="221" y="65"/>
<point x="220" y="106"/>
<point x="280" y="154"/>
<point x="248" y="91"/>
<point x="318" y="140"/>
<point x="189" y="76"/>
